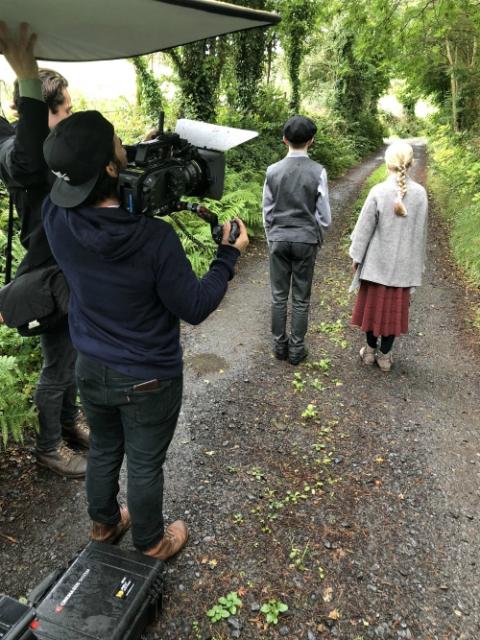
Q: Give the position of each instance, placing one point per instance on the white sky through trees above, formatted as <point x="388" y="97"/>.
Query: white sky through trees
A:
<point x="94" y="80"/>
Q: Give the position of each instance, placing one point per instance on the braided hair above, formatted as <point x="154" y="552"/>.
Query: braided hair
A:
<point x="399" y="157"/>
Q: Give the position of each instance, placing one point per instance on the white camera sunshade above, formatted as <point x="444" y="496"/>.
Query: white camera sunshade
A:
<point x="86" y="30"/>
<point x="212" y="136"/>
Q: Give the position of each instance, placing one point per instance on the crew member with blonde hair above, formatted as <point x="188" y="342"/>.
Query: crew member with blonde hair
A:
<point x="388" y="253"/>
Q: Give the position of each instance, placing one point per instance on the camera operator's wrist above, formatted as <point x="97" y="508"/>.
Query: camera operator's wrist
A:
<point x="31" y="88"/>
<point x="228" y="249"/>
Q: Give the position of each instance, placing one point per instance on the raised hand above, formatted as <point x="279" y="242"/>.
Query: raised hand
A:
<point x="18" y="50"/>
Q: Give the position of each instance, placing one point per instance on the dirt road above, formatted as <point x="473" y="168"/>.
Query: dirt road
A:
<point x="360" y="512"/>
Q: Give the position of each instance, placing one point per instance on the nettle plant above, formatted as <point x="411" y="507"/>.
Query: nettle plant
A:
<point x="272" y="609"/>
<point x="298" y="557"/>
<point x="238" y="518"/>
<point x="310" y="412"/>
<point x="225" y="607"/>
<point x="335" y="331"/>
<point x="298" y="382"/>
<point x="257" y="474"/>
<point x="321" y="365"/>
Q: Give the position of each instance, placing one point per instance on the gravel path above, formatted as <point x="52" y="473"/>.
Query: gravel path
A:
<point x="390" y="547"/>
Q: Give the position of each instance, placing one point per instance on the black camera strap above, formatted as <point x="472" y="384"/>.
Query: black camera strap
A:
<point x="190" y="236"/>
<point x="8" y="249"/>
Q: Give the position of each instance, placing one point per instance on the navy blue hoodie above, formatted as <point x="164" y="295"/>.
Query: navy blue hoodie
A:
<point x="130" y="283"/>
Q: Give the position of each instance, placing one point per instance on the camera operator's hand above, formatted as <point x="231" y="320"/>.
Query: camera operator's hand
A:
<point x="241" y="243"/>
<point x="18" y="50"/>
<point x="152" y="134"/>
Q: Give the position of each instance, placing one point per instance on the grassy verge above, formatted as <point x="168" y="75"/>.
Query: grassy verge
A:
<point x="454" y="181"/>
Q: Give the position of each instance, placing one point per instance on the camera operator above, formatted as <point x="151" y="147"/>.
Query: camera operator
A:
<point x="41" y="100"/>
<point x="130" y="284"/>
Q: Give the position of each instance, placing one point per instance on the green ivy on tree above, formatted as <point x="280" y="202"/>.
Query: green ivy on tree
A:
<point x="199" y="66"/>
<point x="248" y="53"/>
<point x="149" y="95"/>
<point x="296" y="27"/>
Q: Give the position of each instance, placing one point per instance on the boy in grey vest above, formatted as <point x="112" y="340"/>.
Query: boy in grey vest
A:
<point x="296" y="214"/>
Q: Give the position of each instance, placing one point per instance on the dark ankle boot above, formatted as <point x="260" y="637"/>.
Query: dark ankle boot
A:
<point x="63" y="461"/>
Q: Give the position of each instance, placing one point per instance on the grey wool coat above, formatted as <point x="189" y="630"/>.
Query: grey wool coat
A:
<point x="390" y="249"/>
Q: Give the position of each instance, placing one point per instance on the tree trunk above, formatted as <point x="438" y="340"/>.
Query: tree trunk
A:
<point x="452" y="59"/>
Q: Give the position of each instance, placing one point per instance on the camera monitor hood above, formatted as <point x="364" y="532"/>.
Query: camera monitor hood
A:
<point x="212" y="136"/>
<point x="73" y="30"/>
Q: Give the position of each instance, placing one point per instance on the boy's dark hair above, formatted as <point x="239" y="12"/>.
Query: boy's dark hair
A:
<point x="53" y="84"/>
<point x="298" y="130"/>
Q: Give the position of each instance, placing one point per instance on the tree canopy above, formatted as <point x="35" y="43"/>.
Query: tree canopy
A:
<point x="339" y="56"/>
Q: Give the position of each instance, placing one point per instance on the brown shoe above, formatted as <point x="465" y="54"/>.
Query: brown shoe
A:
<point x="78" y="433"/>
<point x="174" y="539"/>
<point x="111" y="533"/>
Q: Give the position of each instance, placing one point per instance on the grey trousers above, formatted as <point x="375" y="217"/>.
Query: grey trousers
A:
<point x="291" y="265"/>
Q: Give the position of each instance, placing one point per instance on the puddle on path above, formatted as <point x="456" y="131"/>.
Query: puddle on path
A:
<point x="203" y="363"/>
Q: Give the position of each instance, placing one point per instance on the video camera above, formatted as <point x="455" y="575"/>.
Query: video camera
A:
<point x="163" y="170"/>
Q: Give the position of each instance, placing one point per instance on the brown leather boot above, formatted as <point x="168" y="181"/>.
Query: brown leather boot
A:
<point x="78" y="433"/>
<point x="174" y="539"/>
<point x="111" y="533"/>
<point x="63" y="461"/>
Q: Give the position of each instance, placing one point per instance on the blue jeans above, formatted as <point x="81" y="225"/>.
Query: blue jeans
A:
<point x="139" y="424"/>
<point x="56" y="392"/>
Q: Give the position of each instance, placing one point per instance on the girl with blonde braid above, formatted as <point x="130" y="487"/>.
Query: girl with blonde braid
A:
<point x="388" y="253"/>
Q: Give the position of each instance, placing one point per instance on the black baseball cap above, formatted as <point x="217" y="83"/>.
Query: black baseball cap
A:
<point x="298" y="129"/>
<point x="77" y="150"/>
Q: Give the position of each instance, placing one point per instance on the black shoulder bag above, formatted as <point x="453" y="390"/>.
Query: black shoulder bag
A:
<point x="34" y="302"/>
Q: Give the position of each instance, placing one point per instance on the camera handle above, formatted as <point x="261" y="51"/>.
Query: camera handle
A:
<point x="212" y="219"/>
<point x="200" y="210"/>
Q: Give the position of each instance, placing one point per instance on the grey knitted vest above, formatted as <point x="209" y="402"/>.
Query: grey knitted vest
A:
<point x="294" y="184"/>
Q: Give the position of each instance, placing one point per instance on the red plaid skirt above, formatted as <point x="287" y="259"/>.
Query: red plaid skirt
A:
<point x="383" y="310"/>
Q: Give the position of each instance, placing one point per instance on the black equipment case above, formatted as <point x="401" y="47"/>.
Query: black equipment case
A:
<point x="15" y="619"/>
<point x="105" y="594"/>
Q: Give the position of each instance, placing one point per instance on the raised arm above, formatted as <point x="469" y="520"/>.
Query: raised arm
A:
<point x="22" y="156"/>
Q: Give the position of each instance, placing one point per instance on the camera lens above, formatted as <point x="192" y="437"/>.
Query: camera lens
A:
<point x="187" y="180"/>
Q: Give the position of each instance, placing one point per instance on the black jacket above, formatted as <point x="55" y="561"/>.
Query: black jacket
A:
<point x="27" y="178"/>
